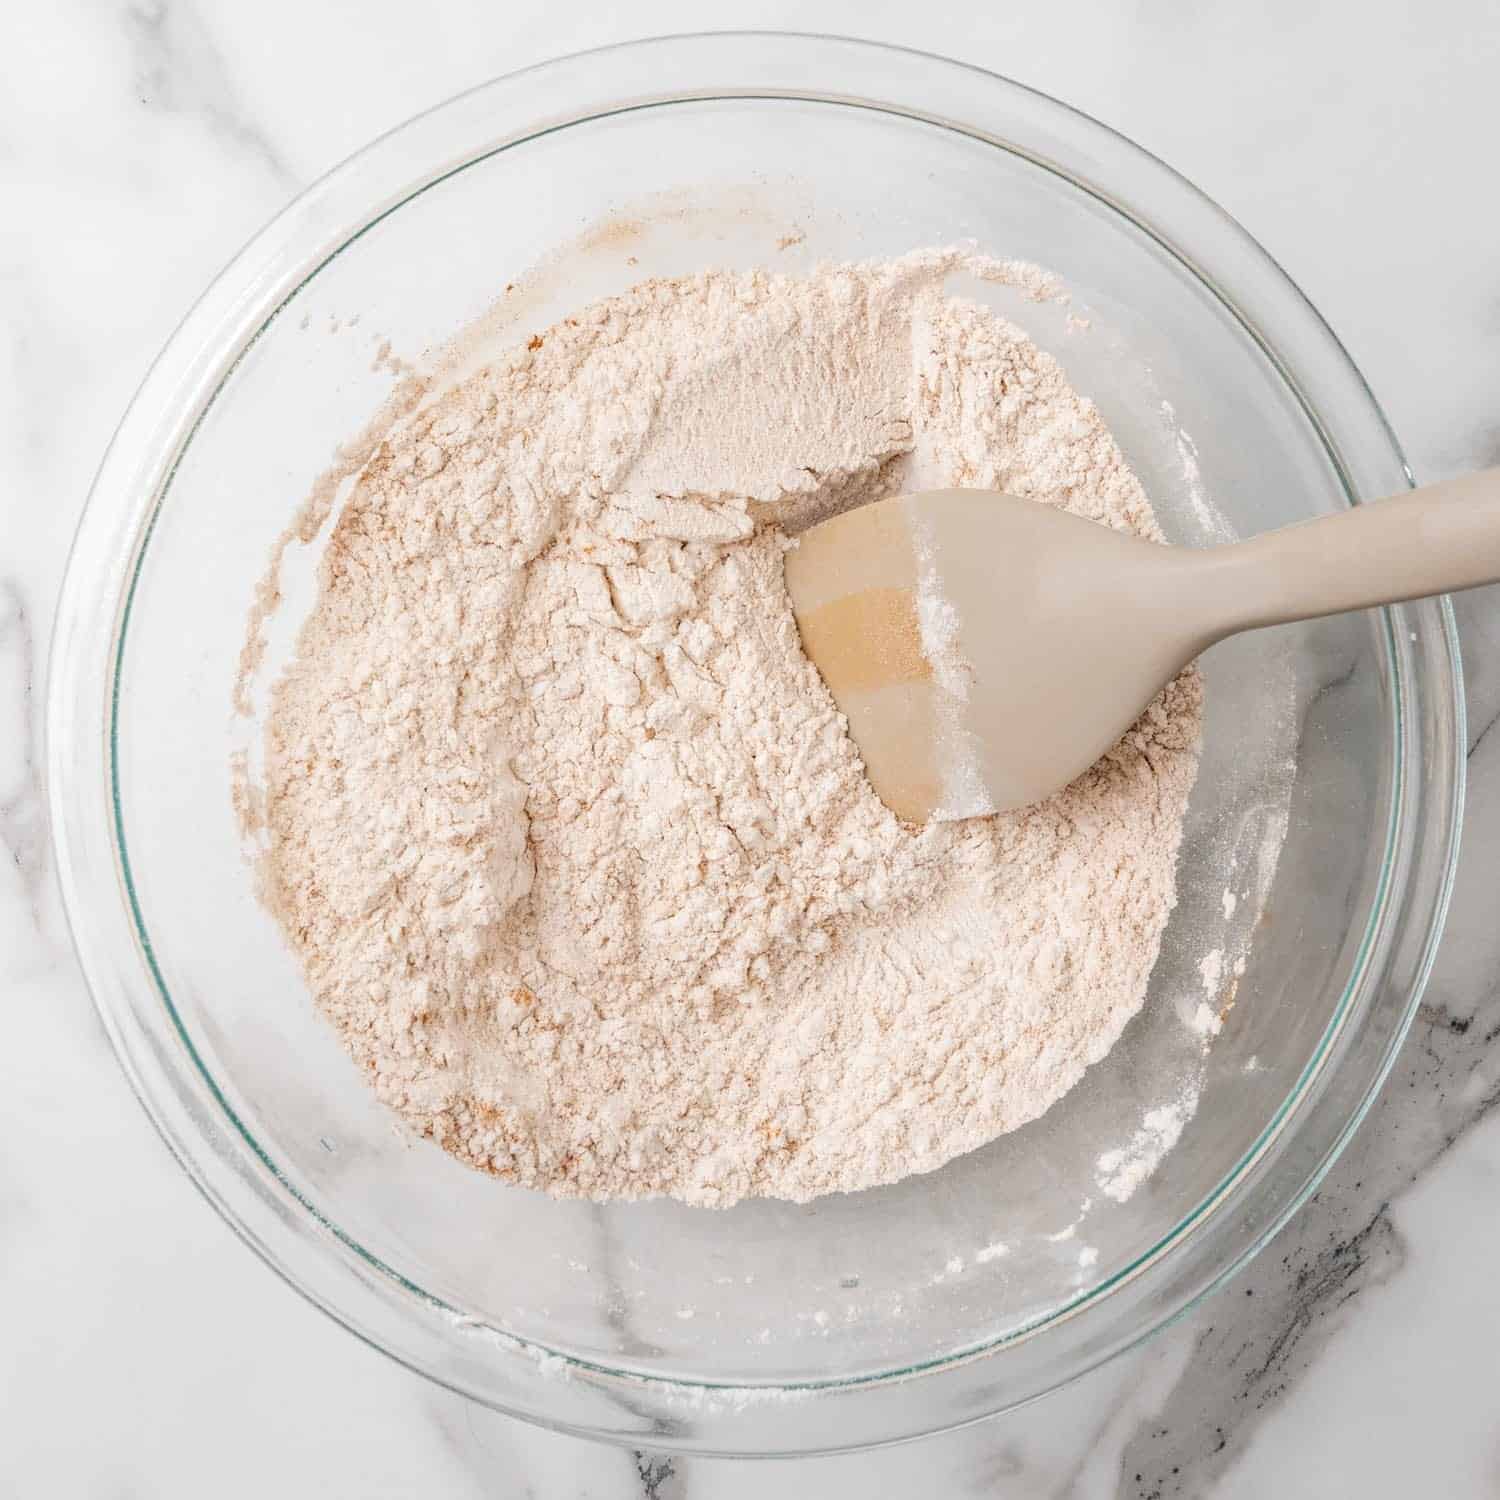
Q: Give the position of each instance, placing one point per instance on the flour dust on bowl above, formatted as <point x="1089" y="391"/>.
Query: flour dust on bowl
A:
<point x="1318" y="844"/>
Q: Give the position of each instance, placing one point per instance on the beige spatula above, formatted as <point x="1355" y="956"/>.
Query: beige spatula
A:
<point x="987" y="650"/>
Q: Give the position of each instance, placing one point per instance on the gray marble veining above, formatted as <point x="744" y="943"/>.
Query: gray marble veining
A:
<point x="177" y="69"/>
<point x="23" y="826"/>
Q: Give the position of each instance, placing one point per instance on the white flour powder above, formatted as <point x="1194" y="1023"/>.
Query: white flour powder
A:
<point x="567" y="832"/>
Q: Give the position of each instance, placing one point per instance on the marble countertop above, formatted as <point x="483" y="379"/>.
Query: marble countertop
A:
<point x="146" y="1351"/>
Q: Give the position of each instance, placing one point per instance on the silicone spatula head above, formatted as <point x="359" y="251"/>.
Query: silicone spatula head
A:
<point x="985" y="650"/>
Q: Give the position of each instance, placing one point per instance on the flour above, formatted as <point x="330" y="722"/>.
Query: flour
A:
<point x="567" y="833"/>
<point x="1211" y="972"/>
<point x="959" y="763"/>
<point x="1122" y="1170"/>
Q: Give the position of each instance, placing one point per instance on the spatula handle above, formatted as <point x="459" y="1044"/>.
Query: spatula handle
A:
<point x="1435" y="540"/>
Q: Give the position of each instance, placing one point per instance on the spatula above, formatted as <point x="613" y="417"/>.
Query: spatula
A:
<point x="987" y="650"/>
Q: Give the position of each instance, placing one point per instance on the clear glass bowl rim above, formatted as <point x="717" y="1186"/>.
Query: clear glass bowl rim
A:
<point x="113" y="946"/>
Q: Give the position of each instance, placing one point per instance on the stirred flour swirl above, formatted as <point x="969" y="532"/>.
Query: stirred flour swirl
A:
<point x="567" y="832"/>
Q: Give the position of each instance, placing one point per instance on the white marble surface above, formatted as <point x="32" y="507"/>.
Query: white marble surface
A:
<point x="145" y="1352"/>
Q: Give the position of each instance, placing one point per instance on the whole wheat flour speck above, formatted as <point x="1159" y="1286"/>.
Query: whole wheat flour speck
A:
<point x="568" y="834"/>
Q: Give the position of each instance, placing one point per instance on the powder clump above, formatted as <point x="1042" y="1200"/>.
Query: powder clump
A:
<point x="567" y="833"/>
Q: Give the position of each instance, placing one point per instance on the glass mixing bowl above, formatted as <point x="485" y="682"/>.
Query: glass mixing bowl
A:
<point x="855" y="1319"/>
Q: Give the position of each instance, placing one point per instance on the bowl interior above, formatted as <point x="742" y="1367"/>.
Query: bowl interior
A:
<point x="1283" y="860"/>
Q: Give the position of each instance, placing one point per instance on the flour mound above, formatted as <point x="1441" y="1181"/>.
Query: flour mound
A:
<point x="568" y="834"/>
